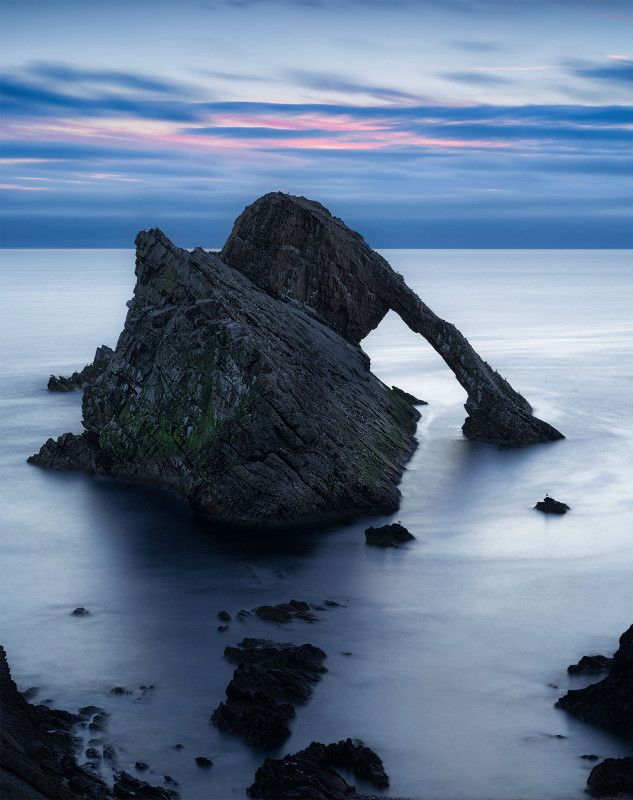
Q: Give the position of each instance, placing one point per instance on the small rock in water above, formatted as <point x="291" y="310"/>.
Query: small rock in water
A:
<point x="119" y="690"/>
<point x="224" y="616"/>
<point x="269" y="678"/>
<point x="80" y="612"/>
<point x="223" y="628"/>
<point x="201" y="761"/>
<point x="550" y="506"/>
<point x="178" y="746"/>
<point x="590" y="757"/>
<point x="590" y="664"/>
<point x="388" y="535"/>
<point x="311" y="773"/>
<point x="98" y="722"/>
<point x="284" y="612"/>
<point x="92" y="752"/>
<point x="108" y="752"/>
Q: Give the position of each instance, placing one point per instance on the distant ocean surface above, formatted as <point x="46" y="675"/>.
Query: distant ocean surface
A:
<point x="459" y="641"/>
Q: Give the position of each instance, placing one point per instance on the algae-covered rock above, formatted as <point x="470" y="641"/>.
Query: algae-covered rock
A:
<point x="250" y="408"/>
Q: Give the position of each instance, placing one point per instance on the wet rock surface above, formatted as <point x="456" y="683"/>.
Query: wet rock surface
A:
<point x="613" y="777"/>
<point x="239" y="383"/>
<point x="388" y="535"/>
<point x="269" y="679"/>
<point x="608" y="703"/>
<point x="550" y="506"/>
<point x="311" y="773"/>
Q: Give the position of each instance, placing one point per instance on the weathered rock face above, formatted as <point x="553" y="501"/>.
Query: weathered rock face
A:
<point x="238" y="380"/>
<point x="252" y="409"/>
<point x="297" y="251"/>
<point x="608" y="703"/>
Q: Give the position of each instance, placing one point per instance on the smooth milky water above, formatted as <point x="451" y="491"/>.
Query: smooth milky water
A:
<point x="455" y="639"/>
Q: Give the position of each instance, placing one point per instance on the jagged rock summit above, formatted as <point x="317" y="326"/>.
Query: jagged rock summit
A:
<point x="238" y="380"/>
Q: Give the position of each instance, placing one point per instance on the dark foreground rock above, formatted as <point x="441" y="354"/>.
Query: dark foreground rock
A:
<point x="608" y="703"/>
<point x="269" y="679"/>
<point x="550" y="506"/>
<point x="37" y="754"/>
<point x="238" y="380"/>
<point x="613" y="778"/>
<point x="388" y="535"/>
<point x="310" y="773"/>
<point x="88" y="375"/>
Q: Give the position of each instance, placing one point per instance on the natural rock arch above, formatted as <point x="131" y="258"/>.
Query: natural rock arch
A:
<point x="294" y="249"/>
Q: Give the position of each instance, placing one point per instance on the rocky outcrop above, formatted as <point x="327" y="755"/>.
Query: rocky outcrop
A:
<point x="250" y="408"/>
<point x="238" y="380"/>
<point x="310" y="773"/>
<point x="550" y="506"/>
<point x="612" y="778"/>
<point x="388" y="535"/>
<point x="608" y="703"/>
<point x="88" y="375"/>
<point x="298" y="252"/>
<point x="269" y="679"/>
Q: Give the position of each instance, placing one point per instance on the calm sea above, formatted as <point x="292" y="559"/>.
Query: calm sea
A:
<point x="459" y="642"/>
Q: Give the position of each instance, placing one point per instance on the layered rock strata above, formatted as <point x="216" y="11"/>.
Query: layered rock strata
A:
<point x="239" y="382"/>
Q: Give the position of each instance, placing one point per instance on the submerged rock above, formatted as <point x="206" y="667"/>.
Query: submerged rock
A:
<point x="238" y="379"/>
<point x="269" y="679"/>
<point x="608" y="703"/>
<point x="388" y="535"/>
<point x="310" y="773"/>
<point x="550" y="506"/>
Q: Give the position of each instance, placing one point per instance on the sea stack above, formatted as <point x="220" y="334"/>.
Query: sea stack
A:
<point x="238" y="379"/>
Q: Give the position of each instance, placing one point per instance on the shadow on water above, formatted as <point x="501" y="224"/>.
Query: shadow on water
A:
<point x="157" y="528"/>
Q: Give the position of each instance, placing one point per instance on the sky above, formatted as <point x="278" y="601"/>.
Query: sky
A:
<point x="436" y="123"/>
